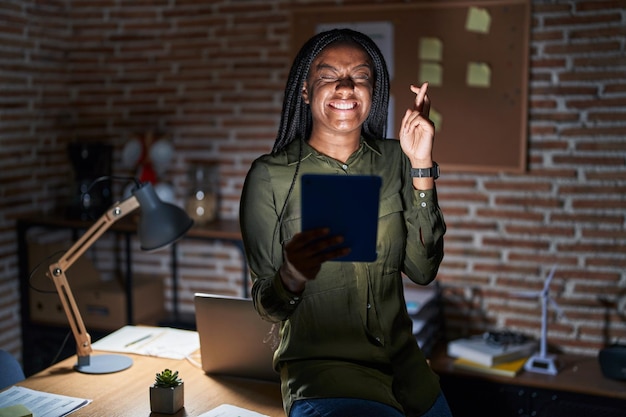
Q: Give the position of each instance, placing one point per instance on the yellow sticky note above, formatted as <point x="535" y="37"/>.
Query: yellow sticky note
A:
<point x="478" y="74"/>
<point x="15" y="411"/>
<point x="431" y="49"/>
<point x="478" y="20"/>
<point x="437" y="119"/>
<point x="431" y="72"/>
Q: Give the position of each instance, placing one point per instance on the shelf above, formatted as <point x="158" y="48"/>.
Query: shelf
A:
<point x="579" y="390"/>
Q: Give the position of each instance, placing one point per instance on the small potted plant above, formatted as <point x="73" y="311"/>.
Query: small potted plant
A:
<point x="166" y="395"/>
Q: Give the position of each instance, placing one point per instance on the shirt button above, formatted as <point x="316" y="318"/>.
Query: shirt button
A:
<point x="378" y="339"/>
<point x="292" y="302"/>
<point x="423" y="204"/>
<point x="422" y="195"/>
<point x="344" y="166"/>
<point x="369" y="305"/>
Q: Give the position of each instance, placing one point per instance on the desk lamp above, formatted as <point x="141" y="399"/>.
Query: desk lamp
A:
<point x="159" y="225"/>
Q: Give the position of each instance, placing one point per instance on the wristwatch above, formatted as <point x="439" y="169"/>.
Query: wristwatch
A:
<point x="426" y="172"/>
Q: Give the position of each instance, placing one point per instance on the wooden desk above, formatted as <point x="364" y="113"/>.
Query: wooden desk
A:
<point x="579" y="389"/>
<point x="126" y="393"/>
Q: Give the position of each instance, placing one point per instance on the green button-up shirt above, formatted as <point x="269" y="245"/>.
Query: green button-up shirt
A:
<point x="348" y="334"/>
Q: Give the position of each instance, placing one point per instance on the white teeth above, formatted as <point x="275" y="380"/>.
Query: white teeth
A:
<point x="343" y="106"/>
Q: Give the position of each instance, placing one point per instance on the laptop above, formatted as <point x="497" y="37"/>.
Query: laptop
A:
<point x="234" y="340"/>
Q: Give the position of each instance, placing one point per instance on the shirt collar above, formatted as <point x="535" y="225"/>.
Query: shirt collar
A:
<point x="293" y="149"/>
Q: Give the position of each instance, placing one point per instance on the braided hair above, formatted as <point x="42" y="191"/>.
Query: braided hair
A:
<point x="296" y="119"/>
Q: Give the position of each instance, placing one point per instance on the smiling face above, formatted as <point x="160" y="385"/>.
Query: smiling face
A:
<point x="339" y="90"/>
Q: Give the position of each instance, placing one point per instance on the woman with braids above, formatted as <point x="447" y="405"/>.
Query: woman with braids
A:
<point x="345" y="342"/>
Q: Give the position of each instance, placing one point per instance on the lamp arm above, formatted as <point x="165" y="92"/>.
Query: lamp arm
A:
<point x="56" y="271"/>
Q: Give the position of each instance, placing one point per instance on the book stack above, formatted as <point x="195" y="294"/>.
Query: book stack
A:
<point x="479" y="355"/>
<point x="423" y="307"/>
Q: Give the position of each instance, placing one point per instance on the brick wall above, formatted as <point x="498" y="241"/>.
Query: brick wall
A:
<point x="506" y="231"/>
<point x="33" y="107"/>
<point x="209" y="77"/>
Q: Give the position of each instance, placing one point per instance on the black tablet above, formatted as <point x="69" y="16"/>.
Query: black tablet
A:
<point x="348" y="205"/>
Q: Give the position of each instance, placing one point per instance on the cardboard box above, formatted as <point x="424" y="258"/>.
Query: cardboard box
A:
<point x="102" y="304"/>
<point x="45" y="305"/>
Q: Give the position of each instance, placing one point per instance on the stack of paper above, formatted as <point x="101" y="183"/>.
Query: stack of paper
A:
<point x="423" y="308"/>
<point x="508" y="369"/>
<point x="475" y="353"/>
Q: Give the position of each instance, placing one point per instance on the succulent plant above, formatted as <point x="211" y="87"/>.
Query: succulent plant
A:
<point x="167" y="379"/>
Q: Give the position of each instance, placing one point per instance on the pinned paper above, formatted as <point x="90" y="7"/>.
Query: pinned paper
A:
<point x="478" y="74"/>
<point x="431" y="72"/>
<point x="431" y="49"/>
<point x="478" y="20"/>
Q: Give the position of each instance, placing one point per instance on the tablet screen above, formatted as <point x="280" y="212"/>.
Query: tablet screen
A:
<point x="348" y="205"/>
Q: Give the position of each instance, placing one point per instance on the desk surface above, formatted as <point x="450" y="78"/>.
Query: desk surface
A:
<point x="126" y="393"/>
<point x="577" y="374"/>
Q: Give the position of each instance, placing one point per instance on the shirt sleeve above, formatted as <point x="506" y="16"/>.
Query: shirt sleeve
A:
<point x="258" y="218"/>
<point x="425" y="230"/>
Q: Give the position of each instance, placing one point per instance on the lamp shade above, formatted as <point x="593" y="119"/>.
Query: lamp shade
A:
<point x="159" y="223"/>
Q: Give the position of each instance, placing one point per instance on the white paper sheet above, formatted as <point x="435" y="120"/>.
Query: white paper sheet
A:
<point x="228" y="410"/>
<point x="163" y="342"/>
<point x="41" y="404"/>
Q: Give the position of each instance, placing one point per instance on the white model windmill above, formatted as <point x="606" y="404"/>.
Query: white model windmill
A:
<point x="543" y="362"/>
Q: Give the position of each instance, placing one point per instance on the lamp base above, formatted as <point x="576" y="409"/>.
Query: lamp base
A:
<point x="546" y="364"/>
<point x="102" y="364"/>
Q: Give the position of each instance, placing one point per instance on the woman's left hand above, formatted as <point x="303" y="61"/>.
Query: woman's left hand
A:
<point x="417" y="131"/>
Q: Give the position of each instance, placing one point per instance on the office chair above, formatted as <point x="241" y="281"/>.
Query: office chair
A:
<point x="12" y="372"/>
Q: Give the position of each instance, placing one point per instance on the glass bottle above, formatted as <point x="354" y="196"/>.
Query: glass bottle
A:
<point x="203" y="197"/>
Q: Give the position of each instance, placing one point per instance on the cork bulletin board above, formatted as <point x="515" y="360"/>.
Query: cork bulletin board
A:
<point x="474" y="54"/>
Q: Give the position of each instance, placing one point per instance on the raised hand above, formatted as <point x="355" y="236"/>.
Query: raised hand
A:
<point x="417" y="131"/>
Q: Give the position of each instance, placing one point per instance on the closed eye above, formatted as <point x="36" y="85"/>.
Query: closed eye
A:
<point x="357" y="78"/>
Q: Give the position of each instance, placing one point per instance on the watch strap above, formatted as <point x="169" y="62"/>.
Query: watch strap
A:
<point x="432" y="172"/>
